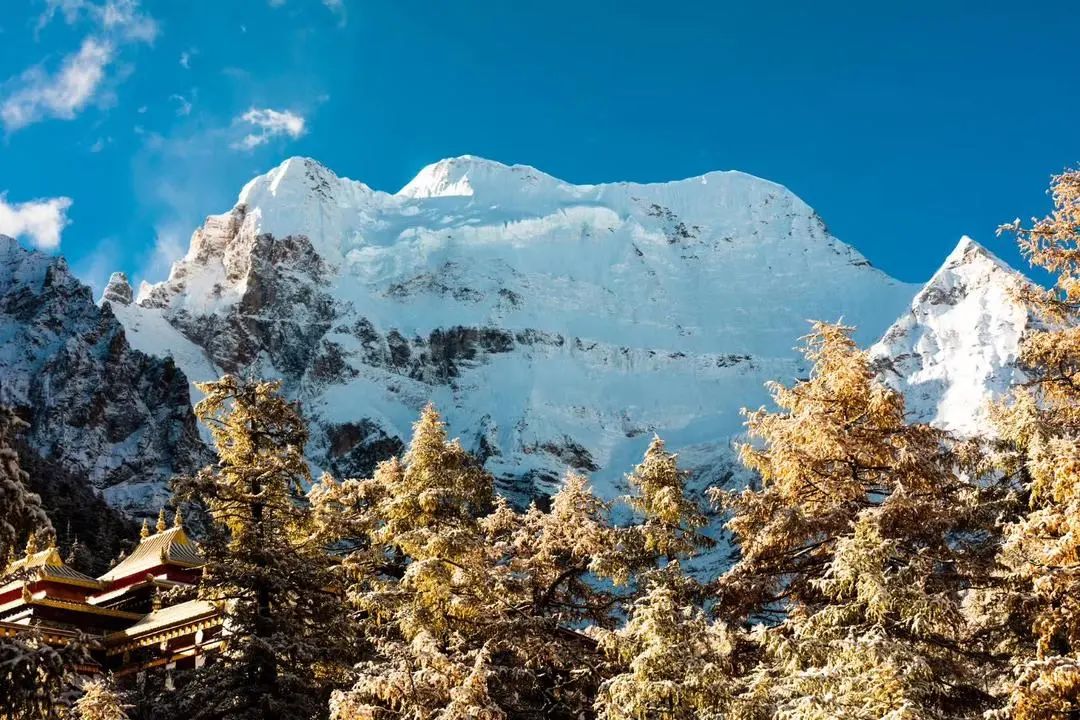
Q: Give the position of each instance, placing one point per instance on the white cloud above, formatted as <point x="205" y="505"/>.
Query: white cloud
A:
<point x="38" y="95"/>
<point x="170" y="244"/>
<point x="100" y="144"/>
<point x="123" y="17"/>
<point x="186" y="56"/>
<point x="268" y="124"/>
<point x="39" y="220"/>
<point x="183" y="105"/>
<point x="118" y="19"/>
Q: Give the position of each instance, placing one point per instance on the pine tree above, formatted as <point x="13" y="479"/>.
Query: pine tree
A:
<point x="100" y="701"/>
<point x="471" y="615"/>
<point x="288" y="639"/>
<point x="678" y="662"/>
<point x="1040" y="430"/>
<point x="20" y="509"/>
<point x="856" y="551"/>
<point x="670" y="522"/>
<point x="35" y="680"/>
<point x="416" y="572"/>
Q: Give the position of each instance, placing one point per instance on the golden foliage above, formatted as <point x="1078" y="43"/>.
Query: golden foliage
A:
<point x="1039" y="428"/>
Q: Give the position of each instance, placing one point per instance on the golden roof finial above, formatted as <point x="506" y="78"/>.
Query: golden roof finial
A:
<point x="178" y="519"/>
<point x="161" y="526"/>
<point x="31" y="544"/>
<point x="145" y="532"/>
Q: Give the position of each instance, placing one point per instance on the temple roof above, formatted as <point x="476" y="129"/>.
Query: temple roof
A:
<point x="167" y="547"/>
<point x="166" y="617"/>
<point x="46" y="565"/>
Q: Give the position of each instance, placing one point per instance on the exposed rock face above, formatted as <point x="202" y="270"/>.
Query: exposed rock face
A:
<point x="956" y="349"/>
<point x="556" y="326"/>
<point x="118" y="290"/>
<point x="96" y="407"/>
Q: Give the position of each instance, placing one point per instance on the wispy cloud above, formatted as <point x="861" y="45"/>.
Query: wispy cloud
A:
<point x="95" y="268"/>
<point x="268" y="124"/>
<point x="183" y="105"/>
<point x="39" y="95"/>
<point x="36" y="94"/>
<point x="338" y="8"/>
<point x="41" y="221"/>
<point x="187" y="56"/>
<point x="121" y="19"/>
<point x="335" y="6"/>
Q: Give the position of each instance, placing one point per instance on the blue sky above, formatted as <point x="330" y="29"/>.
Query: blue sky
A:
<point x="904" y="127"/>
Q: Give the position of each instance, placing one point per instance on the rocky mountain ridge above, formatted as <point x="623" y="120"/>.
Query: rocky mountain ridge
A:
<point x="100" y="410"/>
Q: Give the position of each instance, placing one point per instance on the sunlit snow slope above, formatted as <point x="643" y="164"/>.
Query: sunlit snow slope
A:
<point x="555" y="325"/>
<point x="956" y="348"/>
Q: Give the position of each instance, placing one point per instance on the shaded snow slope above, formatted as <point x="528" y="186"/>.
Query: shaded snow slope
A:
<point x="555" y="325"/>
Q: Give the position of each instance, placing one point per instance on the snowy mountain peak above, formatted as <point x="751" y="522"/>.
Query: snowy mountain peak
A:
<point x="554" y="325"/>
<point x="957" y="347"/>
<point x="469" y="175"/>
<point x="118" y="290"/>
<point x="969" y="251"/>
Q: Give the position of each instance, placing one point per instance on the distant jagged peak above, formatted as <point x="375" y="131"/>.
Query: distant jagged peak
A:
<point x="118" y="290"/>
<point x="22" y="264"/>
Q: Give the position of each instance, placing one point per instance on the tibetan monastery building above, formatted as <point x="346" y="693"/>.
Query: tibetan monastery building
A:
<point x="121" y="613"/>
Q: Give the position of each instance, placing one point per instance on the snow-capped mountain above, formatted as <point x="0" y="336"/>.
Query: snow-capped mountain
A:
<point x="96" y="408"/>
<point x="555" y="325"/>
<point x="957" y="346"/>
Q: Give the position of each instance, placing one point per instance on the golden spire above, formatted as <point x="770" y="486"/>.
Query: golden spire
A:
<point x="178" y="519"/>
<point x="161" y="526"/>
<point x="31" y="544"/>
<point x="145" y="532"/>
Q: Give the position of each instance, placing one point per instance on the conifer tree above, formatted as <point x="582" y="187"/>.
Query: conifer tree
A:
<point x="1040" y="430"/>
<point x="471" y="615"/>
<point x="287" y="635"/>
<point x="20" y="509"/>
<point x="857" y="551"/>
<point x="678" y="662"/>
<point x="35" y="680"/>
<point x="417" y="576"/>
<point x="670" y="522"/>
<point x="100" y="701"/>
